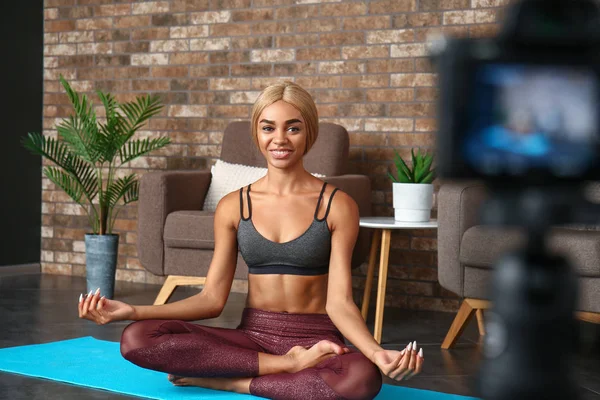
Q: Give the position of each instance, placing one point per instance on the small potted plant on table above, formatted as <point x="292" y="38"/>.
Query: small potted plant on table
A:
<point x="85" y="162"/>
<point x="412" y="189"/>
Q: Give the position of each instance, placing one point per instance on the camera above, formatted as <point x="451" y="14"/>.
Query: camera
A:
<point x="523" y="107"/>
<point x="521" y="112"/>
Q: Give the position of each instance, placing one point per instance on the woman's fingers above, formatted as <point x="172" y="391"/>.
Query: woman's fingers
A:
<point x="80" y="306"/>
<point x="399" y="365"/>
<point x="94" y="300"/>
<point x="418" y="366"/>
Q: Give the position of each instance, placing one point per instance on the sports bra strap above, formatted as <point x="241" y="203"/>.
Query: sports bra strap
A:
<point x="319" y="201"/>
<point x="242" y="204"/>
<point x="328" y="204"/>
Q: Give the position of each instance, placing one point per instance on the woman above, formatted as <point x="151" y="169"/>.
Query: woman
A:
<point x="290" y="342"/>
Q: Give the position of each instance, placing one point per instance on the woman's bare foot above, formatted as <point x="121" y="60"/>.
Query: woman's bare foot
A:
<point x="238" y="385"/>
<point x="306" y="358"/>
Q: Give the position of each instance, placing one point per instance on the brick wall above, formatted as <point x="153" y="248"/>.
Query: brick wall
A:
<point x="363" y="61"/>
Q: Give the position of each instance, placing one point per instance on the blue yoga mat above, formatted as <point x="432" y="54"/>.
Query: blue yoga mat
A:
<point x="98" y="364"/>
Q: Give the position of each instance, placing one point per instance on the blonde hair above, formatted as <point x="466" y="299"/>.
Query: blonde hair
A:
<point x="294" y="95"/>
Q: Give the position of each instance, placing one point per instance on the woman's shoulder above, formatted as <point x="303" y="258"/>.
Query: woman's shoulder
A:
<point x="229" y="205"/>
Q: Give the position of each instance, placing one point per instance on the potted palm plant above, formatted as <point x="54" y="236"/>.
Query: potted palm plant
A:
<point x="85" y="160"/>
<point x="412" y="189"/>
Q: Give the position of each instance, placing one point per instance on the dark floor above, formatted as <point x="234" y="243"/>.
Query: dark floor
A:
<point x="43" y="308"/>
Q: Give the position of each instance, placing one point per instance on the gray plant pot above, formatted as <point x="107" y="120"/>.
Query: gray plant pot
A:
<point x="101" y="263"/>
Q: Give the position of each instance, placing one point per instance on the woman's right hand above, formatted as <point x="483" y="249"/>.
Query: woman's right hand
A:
<point x="102" y="310"/>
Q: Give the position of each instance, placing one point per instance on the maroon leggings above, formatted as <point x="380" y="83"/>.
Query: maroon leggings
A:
<point x="191" y="350"/>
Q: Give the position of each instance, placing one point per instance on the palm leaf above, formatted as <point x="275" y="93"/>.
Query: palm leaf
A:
<point x="66" y="182"/>
<point x="80" y="132"/>
<point x="137" y="148"/>
<point x="119" y="189"/>
<point x="48" y="147"/>
<point x="111" y="136"/>
<point x="138" y="112"/>
<point x="57" y="152"/>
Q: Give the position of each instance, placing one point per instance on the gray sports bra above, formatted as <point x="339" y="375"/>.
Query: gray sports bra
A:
<point x="308" y="254"/>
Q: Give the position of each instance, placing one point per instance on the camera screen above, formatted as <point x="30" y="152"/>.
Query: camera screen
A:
<point x="525" y="118"/>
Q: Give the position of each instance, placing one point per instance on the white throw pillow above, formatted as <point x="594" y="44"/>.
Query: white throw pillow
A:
<point x="227" y="177"/>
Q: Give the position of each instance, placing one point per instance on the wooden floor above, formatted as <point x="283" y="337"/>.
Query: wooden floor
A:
<point x="43" y="308"/>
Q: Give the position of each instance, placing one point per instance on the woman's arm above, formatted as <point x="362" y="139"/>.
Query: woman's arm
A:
<point x="342" y="310"/>
<point x="344" y="221"/>
<point x="207" y="304"/>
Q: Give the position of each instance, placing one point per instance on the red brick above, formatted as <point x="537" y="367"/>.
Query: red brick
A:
<point x="356" y="52"/>
<point x="132" y="22"/>
<point x="392" y="6"/>
<point x="189" y="5"/>
<point x="412" y="110"/>
<point x="169" y="72"/>
<point x="390" y="65"/>
<point x="319" y="53"/>
<point x="430" y="5"/>
<point x="251" y="70"/>
<point x="390" y="95"/>
<point x="319" y="25"/>
<point x="368" y="139"/>
<point x="362" y="110"/>
<point x="260" y="14"/>
<point x="367" y="23"/>
<point x="296" y="12"/>
<point x="297" y="40"/>
<point x="59" y="26"/>
<point x="230" y="30"/>
<point x="320" y="82"/>
<point x="188" y="58"/>
<point x="411" y="139"/>
<point x="270" y="28"/>
<point x="111" y="10"/>
<point x="230" y="4"/>
<point x="208" y="70"/>
<point x="236" y="111"/>
<point x="426" y="94"/>
<point x="344" y="9"/>
<point x="341" y="38"/>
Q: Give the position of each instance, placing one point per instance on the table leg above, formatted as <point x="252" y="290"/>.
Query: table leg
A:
<point x="386" y="235"/>
<point x="369" y="283"/>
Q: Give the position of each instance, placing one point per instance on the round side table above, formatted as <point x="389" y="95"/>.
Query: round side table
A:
<point x="385" y="225"/>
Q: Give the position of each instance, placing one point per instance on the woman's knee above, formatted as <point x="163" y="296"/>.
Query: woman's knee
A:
<point x="353" y="377"/>
<point x="143" y="334"/>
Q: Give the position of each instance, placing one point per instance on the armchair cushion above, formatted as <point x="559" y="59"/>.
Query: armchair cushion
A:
<point x="190" y="230"/>
<point x="578" y="246"/>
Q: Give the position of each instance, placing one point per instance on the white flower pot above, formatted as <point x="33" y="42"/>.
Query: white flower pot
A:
<point x="412" y="201"/>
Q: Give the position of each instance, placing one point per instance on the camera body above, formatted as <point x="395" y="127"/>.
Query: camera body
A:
<point x="521" y="112"/>
<point x="523" y="108"/>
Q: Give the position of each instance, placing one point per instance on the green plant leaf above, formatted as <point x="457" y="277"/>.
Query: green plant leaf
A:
<point x="425" y="168"/>
<point x="138" y="112"/>
<point x="404" y="173"/>
<point x="80" y="132"/>
<point x="429" y="177"/>
<point x="66" y="182"/>
<point x="137" y="148"/>
<point x="119" y="189"/>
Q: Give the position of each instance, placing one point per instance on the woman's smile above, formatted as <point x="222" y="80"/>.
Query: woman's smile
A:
<point x="280" y="154"/>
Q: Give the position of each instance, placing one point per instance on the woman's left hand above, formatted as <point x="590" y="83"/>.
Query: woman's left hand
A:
<point x="400" y="365"/>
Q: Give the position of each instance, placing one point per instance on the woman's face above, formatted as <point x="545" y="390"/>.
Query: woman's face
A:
<point x="281" y="134"/>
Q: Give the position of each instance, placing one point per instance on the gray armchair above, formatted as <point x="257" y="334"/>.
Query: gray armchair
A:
<point x="176" y="237"/>
<point x="467" y="250"/>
